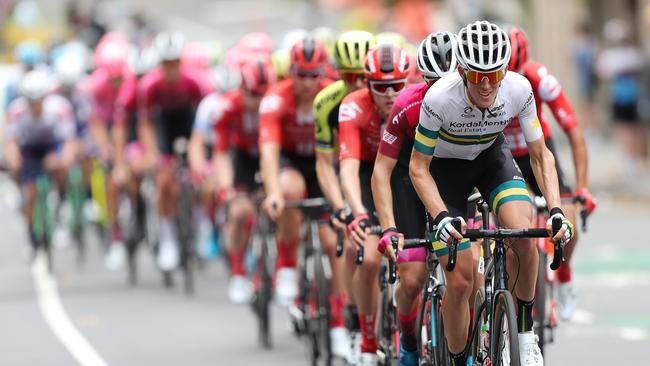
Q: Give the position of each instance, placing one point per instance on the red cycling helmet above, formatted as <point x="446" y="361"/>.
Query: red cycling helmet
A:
<point x="386" y="62"/>
<point x="519" y="45"/>
<point x="308" y="54"/>
<point x="257" y="75"/>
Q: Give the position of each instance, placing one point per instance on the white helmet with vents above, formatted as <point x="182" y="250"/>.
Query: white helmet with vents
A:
<point x="437" y="55"/>
<point x="483" y="46"/>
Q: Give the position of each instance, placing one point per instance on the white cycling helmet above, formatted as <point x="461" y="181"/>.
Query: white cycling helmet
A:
<point x="437" y="55"/>
<point x="143" y="59"/>
<point x="483" y="46"/>
<point x="36" y="84"/>
<point x="170" y="45"/>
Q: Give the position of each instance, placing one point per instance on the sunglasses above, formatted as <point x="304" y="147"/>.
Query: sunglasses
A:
<point x="350" y="77"/>
<point x="476" y="77"/>
<point x="301" y="74"/>
<point x="381" y="87"/>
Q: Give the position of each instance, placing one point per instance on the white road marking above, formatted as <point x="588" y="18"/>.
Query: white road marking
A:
<point x="633" y="334"/>
<point x="581" y="316"/>
<point x="56" y="318"/>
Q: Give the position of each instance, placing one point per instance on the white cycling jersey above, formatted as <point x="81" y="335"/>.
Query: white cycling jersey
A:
<point x="55" y="124"/>
<point x="451" y="126"/>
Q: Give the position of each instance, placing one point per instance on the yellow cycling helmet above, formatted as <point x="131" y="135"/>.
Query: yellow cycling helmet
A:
<point x="351" y="48"/>
<point x="391" y="37"/>
<point x="327" y="36"/>
<point x="281" y="61"/>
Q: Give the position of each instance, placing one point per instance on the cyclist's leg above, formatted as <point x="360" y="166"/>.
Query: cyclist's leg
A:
<point x="454" y="189"/>
<point x="410" y="220"/>
<point x="168" y="253"/>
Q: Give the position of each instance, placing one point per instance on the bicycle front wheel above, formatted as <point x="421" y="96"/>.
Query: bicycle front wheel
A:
<point x="505" y="342"/>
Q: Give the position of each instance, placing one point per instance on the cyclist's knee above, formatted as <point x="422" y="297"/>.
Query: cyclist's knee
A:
<point x="411" y="282"/>
<point x="293" y="185"/>
<point x="240" y="211"/>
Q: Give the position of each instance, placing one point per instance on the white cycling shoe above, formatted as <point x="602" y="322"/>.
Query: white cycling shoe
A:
<point x="354" y="352"/>
<point x="116" y="256"/>
<point x="340" y="342"/>
<point x="286" y="286"/>
<point x="529" y="352"/>
<point x="369" y="359"/>
<point x="567" y="300"/>
<point x="168" y="256"/>
<point x="240" y="290"/>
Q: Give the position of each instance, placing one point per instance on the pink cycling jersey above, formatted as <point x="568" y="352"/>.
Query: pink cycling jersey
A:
<point x="104" y="94"/>
<point x="156" y="94"/>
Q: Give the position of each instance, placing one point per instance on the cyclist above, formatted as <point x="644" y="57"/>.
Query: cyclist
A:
<point x="40" y="137"/>
<point x="349" y="51"/>
<point x="232" y="121"/>
<point x="167" y="99"/>
<point x="288" y="169"/>
<point x="105" y="82"/>
<point x="459" y="136"/>
<point x="399" y="209"/>
<point x="548" y="90"/>
<point x="362" y="116"/>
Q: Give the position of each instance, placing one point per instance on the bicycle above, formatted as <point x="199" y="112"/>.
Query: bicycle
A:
<point x="315" y="274"/>
<point x="43" y="219"/>
<point x="98" y="192"/>
<point x="545" y="306"/>
<point x="132" y="220"/>
<point x="76" y="198"/>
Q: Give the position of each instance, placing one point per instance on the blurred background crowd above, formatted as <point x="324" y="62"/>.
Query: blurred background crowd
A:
<point x="598" y="49"/>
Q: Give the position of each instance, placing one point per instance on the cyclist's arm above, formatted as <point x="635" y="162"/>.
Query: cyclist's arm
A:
<point x="381" y="189"/>
<point x="223" y="165"/>
<point x="204" y="123"/>
<point x="99" y="133"/>
<point x="352" y="185"/>
<point x="328" y="179"/>
<point x="146" y="131"/>
<point x="13" y="156"/>
<point x="270" y="168"/>
<point x="426" y="135"/>
<point x="565" y="116"/>
<point x="196" y="150"/>
<point x="541" y="158"/>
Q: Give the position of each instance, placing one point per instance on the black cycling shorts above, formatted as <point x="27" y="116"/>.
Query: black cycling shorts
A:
<point x="527" y="171"/>
<point x="170" y="125"/>
<point x="306" y="165"/>
<point x="408" y="210"/>
<point x="365" y="177"/>
<point x="245" y="168"/>
<point x="494" y="172"/>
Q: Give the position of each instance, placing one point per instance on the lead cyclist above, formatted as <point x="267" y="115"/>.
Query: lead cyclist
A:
<point x="460" y="135"/>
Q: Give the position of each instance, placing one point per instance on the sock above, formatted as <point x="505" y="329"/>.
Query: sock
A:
<point x="236" y="260"/>
<point x="116" y="232"/>
<point x="352" y="318"/>
<point x="166" y="229"/>
<point x="458" y="359"/>
<point x="336" y="307"/>
<point x="407" y="325"/>
<point x="287" y="253"/>
<point x="368" y="339"/>
<point x="525" y="315"/>
<point x="564" y="273"/>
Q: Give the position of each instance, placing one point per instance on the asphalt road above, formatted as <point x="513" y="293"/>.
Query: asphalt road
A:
<point x="90" y="314"/>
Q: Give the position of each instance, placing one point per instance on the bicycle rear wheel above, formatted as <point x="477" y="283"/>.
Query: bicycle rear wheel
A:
<point x="322" y="315"/>
<point x="263" y="294"/>
<point x="480" y="346"/>
<point x="387" y="329"/>
<point x="185" y="229"/>
<point x="504" y="338"/>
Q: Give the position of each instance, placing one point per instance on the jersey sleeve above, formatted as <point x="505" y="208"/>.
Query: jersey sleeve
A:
<point x="124" y="104"/>
<point x="145" y="99"/>
<point x="222" y="115"/>
<point x="349" y="132"/>
<point x="393" y="136"/>
<point x="326" y="112"/>
<point x="550" y="91"/>
<point x="14" y="111"/>
<point x="426" y="133"/>
<point x="271" y="111"/>
<point x="528" y="119"/>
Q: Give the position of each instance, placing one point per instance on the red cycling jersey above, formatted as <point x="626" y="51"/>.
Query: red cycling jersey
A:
<point x="547" y="89"/>
<point x="359" y="127"/>
<point x="126" y="102"/>
<point x="282" y="123"/>
<point x="403" y="119"/>
<point x="104" y="94"/>
<point x="156" y="94"/>
<point x="232" y="124"/>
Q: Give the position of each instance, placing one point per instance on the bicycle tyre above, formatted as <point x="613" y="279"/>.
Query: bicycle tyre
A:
<point x="423" y="325"/>
<point x="504" y="329"/>
<point x="323" y="310"/>
<point x="539" y="306"/>
<point x="441" y="354"/>
<point x="184" y="226"/>
<point x="386" y="328"/>
<point x="479" y="348"/>
<point x="264" y="295"/>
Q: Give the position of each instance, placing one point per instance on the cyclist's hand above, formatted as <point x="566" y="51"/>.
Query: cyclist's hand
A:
<point x="273" y="205"/>
<point x="359" y="229"/>
<point x="385" y="245"/>
<point x="566" y="231"/>
<point x="337" y="219"/>
<point x="590" y="201"/>
<point x="446" y="230"/>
